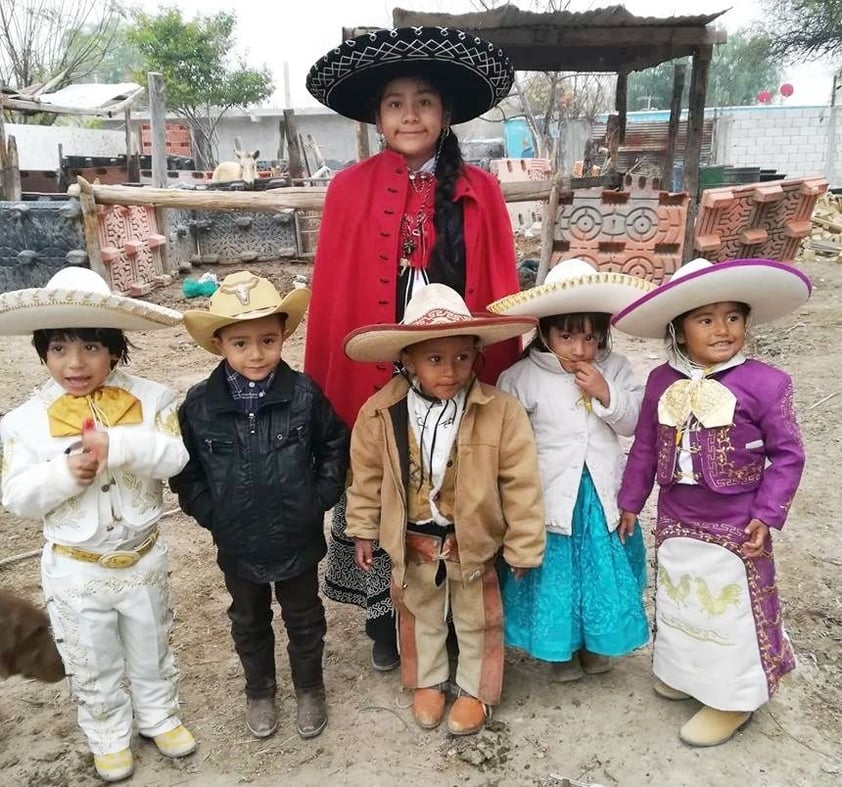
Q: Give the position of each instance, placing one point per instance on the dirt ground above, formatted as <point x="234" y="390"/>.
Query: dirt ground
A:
<point x="607" y="730"/>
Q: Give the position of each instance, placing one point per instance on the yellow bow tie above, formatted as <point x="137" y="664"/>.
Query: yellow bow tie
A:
<point x="108" y="406"/>
<point x="710" y="402"/>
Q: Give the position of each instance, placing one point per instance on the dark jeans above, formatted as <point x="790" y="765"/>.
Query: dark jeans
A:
<point x="251" y="629"/>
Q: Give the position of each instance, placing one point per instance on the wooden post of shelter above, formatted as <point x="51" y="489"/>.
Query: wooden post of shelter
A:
<point x="695" y="123"/>
<point x="612" y="142"/>
<point x="158" y="135"/>
<point x="90" y="221"/>
<point x="548" y="220"/>
<point x="2" y="152"/>
<point x="363" y="147"/>
<point x="11" y="175"/>
<point x="621" y="104"/>
<point x="679" y="75"/>
<point x="295" y="165"/>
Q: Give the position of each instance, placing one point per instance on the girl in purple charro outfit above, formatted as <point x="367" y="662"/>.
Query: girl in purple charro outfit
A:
<point x="718" y="433"/>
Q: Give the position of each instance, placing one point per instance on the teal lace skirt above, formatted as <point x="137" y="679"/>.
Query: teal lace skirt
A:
<point x="587" y="594"/>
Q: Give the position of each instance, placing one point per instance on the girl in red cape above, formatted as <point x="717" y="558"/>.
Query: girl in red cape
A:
<point x="413" y="214"/>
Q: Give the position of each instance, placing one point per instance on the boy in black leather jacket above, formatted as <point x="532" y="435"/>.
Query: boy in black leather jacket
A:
<point x="268" y="457"/>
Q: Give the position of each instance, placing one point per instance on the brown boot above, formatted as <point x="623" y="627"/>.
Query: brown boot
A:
<point x="593" y="663"/>
<point x="312" y="712"/>
<point x="467" y="716"/>
<point x="261" y="718"/>
<point x="428" y="707"/>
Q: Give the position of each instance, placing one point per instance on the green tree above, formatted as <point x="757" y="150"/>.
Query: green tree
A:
<point x="739" y="70"/>
<point x="202" y="79"/>
<point x="810" y="28"/>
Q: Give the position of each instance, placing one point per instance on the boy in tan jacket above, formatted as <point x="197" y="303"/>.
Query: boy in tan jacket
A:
<point x="445" y="476"/>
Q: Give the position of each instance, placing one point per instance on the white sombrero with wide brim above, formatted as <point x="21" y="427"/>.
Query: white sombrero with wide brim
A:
<point x="574" y="286"/>
<point x="434" y="312"/>
<point x="770" y="289"/>
<point x="79" y="298"/>
<point x="242" y="296"/>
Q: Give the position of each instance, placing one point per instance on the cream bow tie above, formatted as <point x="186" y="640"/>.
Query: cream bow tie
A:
<point x="710" y="402"/>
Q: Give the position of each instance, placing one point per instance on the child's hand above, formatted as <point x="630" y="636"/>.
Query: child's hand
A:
<point x="362" y="554"/>
<point x="83" y="467"/>
<point x="628" y="520"/>
<point x="590" y="381"/>
<point x="518" y="573"/>
<point x="757" y="533"/>
<point x="95" y="443"/>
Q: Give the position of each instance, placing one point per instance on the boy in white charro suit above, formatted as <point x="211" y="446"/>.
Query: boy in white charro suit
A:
<point x="88" y="453"/>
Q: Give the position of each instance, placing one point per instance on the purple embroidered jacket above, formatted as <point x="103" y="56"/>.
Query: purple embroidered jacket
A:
<point x="748" y="470"/>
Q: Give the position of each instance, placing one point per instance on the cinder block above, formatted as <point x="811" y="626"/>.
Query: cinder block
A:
<point x="139" y="290"/>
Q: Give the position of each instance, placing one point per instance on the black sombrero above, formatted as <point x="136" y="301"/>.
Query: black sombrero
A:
<point x="475" y="74"/>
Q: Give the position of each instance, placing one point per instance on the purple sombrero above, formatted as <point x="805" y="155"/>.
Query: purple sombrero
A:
<point x="771" y="289"/>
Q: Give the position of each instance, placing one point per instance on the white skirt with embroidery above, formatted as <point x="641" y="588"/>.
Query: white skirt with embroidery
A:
<point x="706" y="642"/>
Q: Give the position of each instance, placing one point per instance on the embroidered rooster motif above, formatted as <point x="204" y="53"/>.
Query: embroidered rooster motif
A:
<point x="677" y="592"/>
<point x="729" y="596"/>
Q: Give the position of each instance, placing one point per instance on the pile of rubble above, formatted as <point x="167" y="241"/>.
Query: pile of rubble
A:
<point x="825" y="241"/>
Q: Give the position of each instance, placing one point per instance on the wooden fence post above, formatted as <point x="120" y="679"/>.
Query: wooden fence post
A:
<point x="90" y="221"/>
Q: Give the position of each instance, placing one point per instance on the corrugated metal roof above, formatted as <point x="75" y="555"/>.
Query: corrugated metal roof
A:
<point x="510" y="16"/>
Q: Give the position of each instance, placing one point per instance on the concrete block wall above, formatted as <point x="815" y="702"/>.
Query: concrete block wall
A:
<point x="797" y="141"/>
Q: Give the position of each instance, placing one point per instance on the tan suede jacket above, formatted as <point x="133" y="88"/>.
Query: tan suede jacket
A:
<point x="499" y="501"/>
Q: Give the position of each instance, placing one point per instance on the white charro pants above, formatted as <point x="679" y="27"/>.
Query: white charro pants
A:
<point x="112" y="629"/>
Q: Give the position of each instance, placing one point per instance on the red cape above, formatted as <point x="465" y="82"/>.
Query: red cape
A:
<point x="356" y="266"/>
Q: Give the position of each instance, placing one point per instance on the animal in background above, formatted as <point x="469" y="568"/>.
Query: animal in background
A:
<point x="244" y="168"/>
<point x="26" y="644"/>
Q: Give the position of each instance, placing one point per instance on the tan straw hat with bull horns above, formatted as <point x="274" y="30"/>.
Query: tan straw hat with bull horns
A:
<point x="244" y="296"/>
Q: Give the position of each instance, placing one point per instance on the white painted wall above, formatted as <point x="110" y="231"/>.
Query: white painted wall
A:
<point x="798" y="141"/>
<point x="38" y="145"/>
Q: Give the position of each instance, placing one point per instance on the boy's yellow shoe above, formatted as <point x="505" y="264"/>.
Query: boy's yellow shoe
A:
<point x="711" y="727"/>
<point x="176" y="743"/>
<point x="116" y="766"/>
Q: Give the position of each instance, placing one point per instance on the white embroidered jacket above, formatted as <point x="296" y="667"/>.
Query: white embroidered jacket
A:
<point x="126" y="495"/>
<point x="568" y="436"/>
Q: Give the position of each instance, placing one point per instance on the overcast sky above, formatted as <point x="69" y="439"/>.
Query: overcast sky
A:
<point x="300" y="31"/>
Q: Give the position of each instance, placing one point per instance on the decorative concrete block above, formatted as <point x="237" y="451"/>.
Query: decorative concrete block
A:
<point x="639" y="230"/>
<point x="124" y="234"/>
<point x="756" y="220"/>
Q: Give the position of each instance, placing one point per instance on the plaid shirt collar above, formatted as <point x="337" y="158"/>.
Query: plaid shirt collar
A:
<point x="248" y="394"/>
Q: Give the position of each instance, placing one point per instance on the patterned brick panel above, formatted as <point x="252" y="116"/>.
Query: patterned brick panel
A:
<point x="757" y="220"/>
<point x="130" y="245"/>
<point x="38" y="239"/>
<point x="639" y="230"/>
<point x="177" y="140"/>
<point x="517" y="170"/>
<point x="236" y="237"/>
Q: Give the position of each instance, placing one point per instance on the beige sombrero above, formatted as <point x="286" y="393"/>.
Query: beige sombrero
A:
<point x="574" y="286"/>
<point x="79" y="298"/>
<point x="771" y="290"/>
<point x="433" y="312"/>
<point x="244" y="296"/>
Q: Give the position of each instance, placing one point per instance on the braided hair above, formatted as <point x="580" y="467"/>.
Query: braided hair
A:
<point x="447" y="255"/>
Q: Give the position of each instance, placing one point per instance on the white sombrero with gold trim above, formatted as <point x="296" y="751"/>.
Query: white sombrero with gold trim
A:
<point x="434" y="312"/>
<point x="79" y="298"/>
<point x="574" y="286"/>
<point x="771" y="289"/>
<point x="244" y="296"/>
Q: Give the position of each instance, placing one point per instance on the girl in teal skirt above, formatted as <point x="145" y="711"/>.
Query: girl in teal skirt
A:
<point x="584" y="605"/>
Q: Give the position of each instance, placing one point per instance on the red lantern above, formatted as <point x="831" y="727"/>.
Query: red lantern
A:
<point x="764" y="97"/>
<point x="787" y="90"/>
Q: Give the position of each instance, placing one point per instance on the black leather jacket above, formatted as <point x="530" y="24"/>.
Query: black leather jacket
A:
<point x="261" y="484"/>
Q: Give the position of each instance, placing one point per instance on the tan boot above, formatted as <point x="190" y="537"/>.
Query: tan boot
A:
<point x="594" y="664"/>
<point x="711" y="727"/>
<point x="467" y="716"/>
<point x="668" y="692"/>
<point x="178" y="742"/>
<point x="428" y="707"/>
